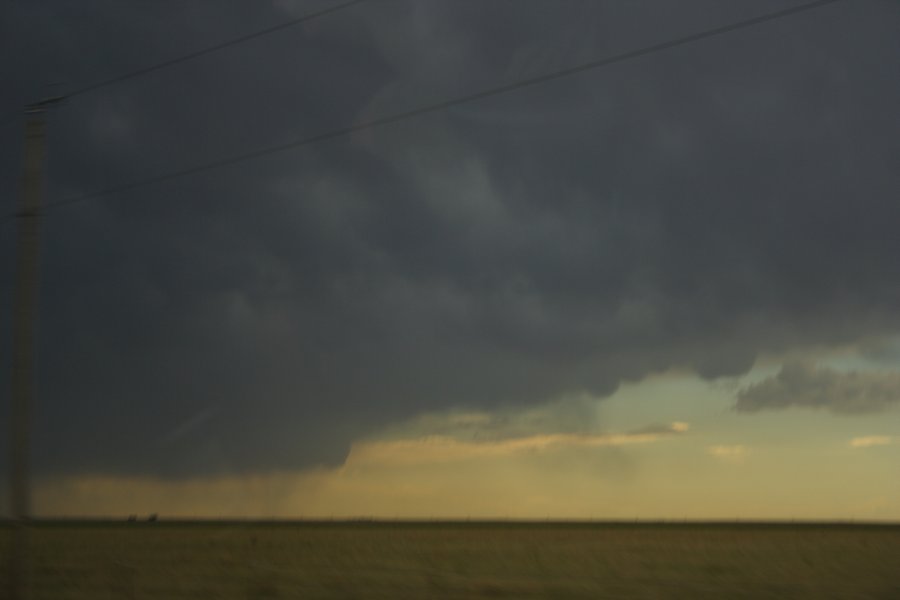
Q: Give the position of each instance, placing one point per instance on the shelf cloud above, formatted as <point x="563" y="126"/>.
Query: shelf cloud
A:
<point x="691" y="210"/>
<point x="805" y="385"/>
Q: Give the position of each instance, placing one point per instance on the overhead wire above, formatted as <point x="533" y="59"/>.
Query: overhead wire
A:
<point x="227" y="44"/>
<point x="434" y="107"/>
<point x="91" y="87"/>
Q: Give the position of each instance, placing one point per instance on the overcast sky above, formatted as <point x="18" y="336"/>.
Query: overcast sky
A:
<point x="666" y="286"/>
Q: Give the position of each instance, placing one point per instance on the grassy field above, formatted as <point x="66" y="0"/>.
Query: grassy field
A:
<point x="458" y="560"/>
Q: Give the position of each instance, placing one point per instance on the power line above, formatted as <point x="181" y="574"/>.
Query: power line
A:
<point x="435" y="107"/>
<point x="191" y="56"/>
<point x="198" y="53"/>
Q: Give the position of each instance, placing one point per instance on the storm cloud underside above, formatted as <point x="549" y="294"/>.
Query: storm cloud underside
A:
<point x="692" y="209"/>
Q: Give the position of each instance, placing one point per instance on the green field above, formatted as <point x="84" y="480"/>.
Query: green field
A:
<point x="459" y="560"/>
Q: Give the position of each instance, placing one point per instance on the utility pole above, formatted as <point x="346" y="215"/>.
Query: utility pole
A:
<point x="24" y="310"/>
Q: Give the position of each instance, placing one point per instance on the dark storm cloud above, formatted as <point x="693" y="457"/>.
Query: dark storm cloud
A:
<point x="804" y="385"/>
<point x="689" y="209"/>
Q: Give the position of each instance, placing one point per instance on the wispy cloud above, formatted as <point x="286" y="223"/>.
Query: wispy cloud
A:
<point x="674" y="427"/>
<point x="871" y="440"/>
<point x="732" y="454"/>
<point x="443" y="448"/>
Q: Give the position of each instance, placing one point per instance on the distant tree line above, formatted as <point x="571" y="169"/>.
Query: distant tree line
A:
<point x="152" y="518"/>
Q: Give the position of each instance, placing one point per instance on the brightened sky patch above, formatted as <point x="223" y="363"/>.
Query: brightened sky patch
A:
<point x="868" y="441"/>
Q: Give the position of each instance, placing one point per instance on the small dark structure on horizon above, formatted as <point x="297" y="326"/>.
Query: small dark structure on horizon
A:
<point x="153" y="518"/>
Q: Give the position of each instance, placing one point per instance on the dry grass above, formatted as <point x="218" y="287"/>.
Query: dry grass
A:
<point x="383" y="560"/>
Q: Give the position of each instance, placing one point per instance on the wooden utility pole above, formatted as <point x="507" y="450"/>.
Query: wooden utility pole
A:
<point x="24" y="310"/>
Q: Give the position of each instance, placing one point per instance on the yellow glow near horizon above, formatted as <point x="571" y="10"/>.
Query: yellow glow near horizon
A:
<point x="553" y="461"/>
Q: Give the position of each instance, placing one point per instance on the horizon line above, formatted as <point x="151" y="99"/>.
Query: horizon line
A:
<point x="155" y="519"/>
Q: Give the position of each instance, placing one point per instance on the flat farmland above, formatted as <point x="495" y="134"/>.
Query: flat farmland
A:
<point x="400" y="560"/>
